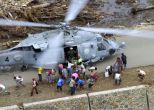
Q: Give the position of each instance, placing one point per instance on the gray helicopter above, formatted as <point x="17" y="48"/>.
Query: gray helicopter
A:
<point x="47" y="49"/>
<point x="50" y="48"/>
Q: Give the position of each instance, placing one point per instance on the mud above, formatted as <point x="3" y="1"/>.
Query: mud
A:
<point x="120" y="14"/>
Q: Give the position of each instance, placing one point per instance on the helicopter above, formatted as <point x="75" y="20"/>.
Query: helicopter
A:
<point x="48" y="49"/>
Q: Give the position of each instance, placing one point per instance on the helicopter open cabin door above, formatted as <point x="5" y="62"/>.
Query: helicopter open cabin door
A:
<point x="71" y="53"/>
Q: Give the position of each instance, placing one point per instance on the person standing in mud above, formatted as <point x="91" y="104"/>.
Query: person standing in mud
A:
<point x="118" y="66"/>
<point x="60" y="83"/>
<point x="90" y="82"/>
<point x="72" y="85"/>
<point x="40" y="71"/>
<point x="124" y="60"/>
<point x="34" y="86"/>
<point x="117" y="78"/>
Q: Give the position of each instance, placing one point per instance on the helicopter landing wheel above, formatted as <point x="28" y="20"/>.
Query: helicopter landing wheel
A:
<point x="101" y="59"/>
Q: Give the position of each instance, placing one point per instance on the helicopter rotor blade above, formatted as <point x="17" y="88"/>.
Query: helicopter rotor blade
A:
<point x="74" y="9"/>
<point x="9" y="22"/>
<point x="123" y="32"/>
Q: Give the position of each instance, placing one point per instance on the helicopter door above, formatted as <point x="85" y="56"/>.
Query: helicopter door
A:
<point x="101" y="50"/>
<point x="71" y="53"/>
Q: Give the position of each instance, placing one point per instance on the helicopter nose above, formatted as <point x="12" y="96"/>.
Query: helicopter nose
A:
<point x="122" y="45"/>
<point x="112" y="51"/>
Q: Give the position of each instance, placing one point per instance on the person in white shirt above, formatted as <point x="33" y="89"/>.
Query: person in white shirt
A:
<point x="141" y="74"/>
<point x="69" y="68"/>
<point x="18" y="80"/>
<point x="117" y="78"/>
<point x="108" y="71"/>
<point x="83" y="70"/>
<point x="106" y="74"/>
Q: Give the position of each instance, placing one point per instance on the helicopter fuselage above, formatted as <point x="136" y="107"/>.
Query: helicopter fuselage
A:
<point x="50" y="48"/>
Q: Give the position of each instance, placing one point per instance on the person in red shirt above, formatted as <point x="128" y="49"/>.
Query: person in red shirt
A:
<point x="49" y="73"/>
<point x="93" y="73"/>
<point x="34" y="86"/>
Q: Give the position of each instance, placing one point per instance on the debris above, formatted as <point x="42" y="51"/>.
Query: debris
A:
<point x="41" y="5"/>
<point x="125" y="1"/>
<point x="136" y="10"/>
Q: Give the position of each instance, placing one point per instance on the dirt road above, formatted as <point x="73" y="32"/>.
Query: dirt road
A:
<point x="139" y="52"/>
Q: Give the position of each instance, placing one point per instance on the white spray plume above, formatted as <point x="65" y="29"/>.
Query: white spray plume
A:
<point x="74" y="9"/>
<point x="8" y="22"/>
<point x="53" y="54"/>
<point x="55" y="48"/>
<point x="124" y="32"/>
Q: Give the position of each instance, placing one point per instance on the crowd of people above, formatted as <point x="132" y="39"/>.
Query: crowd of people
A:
<point x="76" y="75"/>
<point x="72" y="73"/>
<point x="116" y="69"/>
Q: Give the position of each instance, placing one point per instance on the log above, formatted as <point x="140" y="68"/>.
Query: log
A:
<point x="40" y="6"/>
<point x="136" y="10"/>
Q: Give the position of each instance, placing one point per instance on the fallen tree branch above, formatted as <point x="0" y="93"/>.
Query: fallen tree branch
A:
<point x="40" y="6"/>
<point x="136" y="10"/>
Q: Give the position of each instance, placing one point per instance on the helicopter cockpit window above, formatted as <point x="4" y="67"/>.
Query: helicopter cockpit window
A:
<point x="91" y="46"/>
<point x="18" y="48"/>
<point x="66" y="33"/>
<point x="37" y="50"/>
<point x="27" y="48"/>
<point x="106" y="41"/>
<point x="99" y="39"/>
<point x="101" y="47"/>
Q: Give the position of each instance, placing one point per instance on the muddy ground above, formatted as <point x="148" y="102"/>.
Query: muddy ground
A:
<point x="47" y="91"/>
